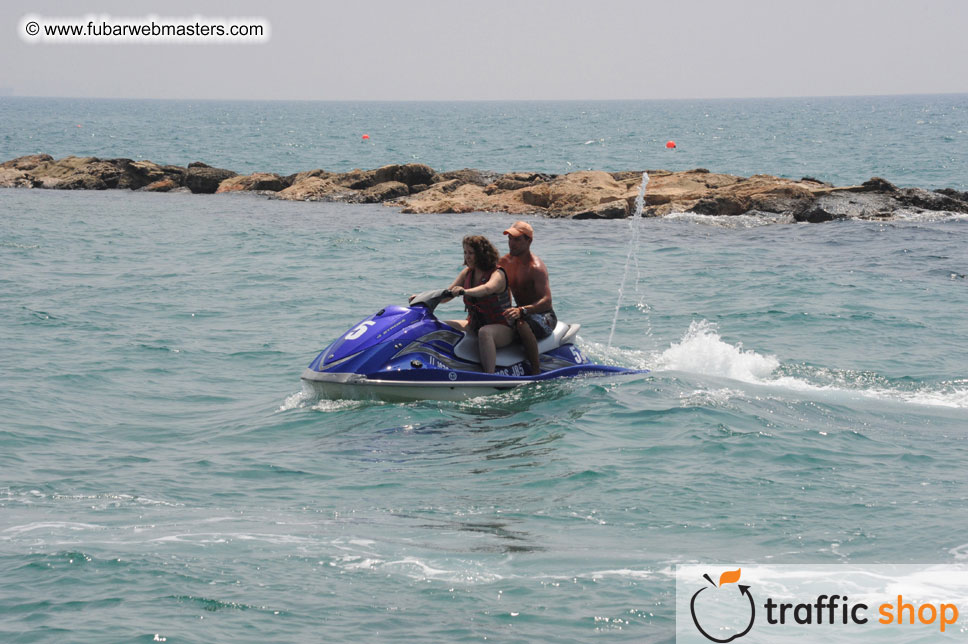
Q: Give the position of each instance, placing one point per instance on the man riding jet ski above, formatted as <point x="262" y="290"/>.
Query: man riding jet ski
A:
<point x="406" y="353"/>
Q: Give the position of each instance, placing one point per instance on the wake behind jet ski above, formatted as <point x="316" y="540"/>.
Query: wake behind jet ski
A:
<point x="405" y="353"/>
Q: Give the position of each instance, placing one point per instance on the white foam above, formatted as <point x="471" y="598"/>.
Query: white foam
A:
<point x="750" y="220"/>
<point x="703" y="351"/>
<point x="624" y="573"/>
<point x="53" y="525"/>
<point x="304" y="398"/>
<point x="927" y="216"/>
<point x="295" y="401"/>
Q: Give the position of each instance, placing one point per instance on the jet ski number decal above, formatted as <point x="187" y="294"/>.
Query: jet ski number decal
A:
<point x="359" y="330"/>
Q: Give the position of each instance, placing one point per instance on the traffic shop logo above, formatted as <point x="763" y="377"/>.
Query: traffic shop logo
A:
<point x="742" y="605"/>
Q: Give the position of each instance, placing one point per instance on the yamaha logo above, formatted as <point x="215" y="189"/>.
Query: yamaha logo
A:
<point x="452" y="375"/>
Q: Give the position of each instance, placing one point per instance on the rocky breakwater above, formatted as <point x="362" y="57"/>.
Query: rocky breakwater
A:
<point x="417" y="188"/>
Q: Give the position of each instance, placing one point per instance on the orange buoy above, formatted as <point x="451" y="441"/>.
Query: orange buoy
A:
<point x="366" y="137"/>
<point x="671" y="144"/>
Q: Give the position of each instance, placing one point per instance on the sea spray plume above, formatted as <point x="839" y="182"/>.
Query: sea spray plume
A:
<point x="632" y="256"/>
<point x="703" y="351"/>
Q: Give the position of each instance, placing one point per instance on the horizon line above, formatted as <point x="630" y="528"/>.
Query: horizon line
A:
<point x="485" y="100"/>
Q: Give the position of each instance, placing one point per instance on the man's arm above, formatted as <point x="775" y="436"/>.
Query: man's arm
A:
<point x="542" y="291"/>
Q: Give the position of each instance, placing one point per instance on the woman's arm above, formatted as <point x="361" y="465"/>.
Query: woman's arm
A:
<point x="496" y="284"/>
<point x="455" y="288"/>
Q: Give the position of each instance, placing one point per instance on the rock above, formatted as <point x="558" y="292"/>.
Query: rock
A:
<point x="10" y="177"/>
<point x="90" y="173"/>
<point x="202" y="178"/>
<point x="504" y="185"/>
<point x="467" y="175"/>
<point x="618" y="209"/>
<point x="262" y="181"/>
<point x="410" y="174"/>
<point x="954" y="194"/>
<point x="721" y="205"/>
<point x="575" y="193"/>
<point x="458" y="199"/>
<point x="449" y="186"/>
<point x="164" y="185"/>
<point x="930" y="200"/>
<point x="384" y="192"/>
<point x="846" y="204"/>
<point x="812" y="180"/>
<point x="356" y="179"/>
<point x="580" y="195"/>
<point x="313" y="188"/>
<point x="28" y="162"/>
<point x="876" y="184"/>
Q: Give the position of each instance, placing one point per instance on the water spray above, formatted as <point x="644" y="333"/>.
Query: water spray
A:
<point x="634" y="227"/>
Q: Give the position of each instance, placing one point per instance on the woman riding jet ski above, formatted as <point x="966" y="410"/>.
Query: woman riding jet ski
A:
<point x="406" y="353"/>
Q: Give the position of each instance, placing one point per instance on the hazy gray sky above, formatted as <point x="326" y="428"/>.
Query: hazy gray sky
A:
<point x="500" y="49"/>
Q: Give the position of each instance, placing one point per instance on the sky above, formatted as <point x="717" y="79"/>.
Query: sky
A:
<point x="504" y="50"/>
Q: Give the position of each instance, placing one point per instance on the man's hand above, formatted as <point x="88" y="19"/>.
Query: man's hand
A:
<point x="514" y="313"/>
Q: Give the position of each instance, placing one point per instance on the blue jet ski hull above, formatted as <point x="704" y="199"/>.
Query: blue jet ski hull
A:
<point x="405" y="354"/>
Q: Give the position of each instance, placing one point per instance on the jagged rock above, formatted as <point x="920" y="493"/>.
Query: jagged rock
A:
<point x="467" y="175"/>
<point x="259" y="181"/>
<point x="954" y="194"/>
<point x="28" y="162"/>
<point x="205" y="179"/>
<point x="164" y="185"/>
<point x="587" y="194"/>
<point x="876" y="184"/>
<point x="458" y="199"/>
<point x="356" y="179"/>
<point x="13" y="178"/>
<point x="931" y="200"/>
<point x="618" y="209"/>
<point x="812" y="180"/>
<point x="384" y="192"/>
<point x="312" y="188"/>
<point x="302" y="176"/>
<point x="576" y="192"/>
<point x="409" y="174"/>
<point x="722" y="206"/>
<point x="504" y="185"/>
<point x="448" y="186"/>
<point x="845" y="204"/>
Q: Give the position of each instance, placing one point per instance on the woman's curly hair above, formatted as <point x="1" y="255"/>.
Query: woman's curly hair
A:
<point x="485" y="254"/>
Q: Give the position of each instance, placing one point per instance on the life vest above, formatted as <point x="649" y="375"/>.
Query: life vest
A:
<point x="489" y="309"/>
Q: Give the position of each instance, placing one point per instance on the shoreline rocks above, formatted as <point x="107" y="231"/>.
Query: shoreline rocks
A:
<point x="417" y="188"/>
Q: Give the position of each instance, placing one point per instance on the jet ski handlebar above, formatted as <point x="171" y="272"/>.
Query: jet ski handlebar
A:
<point x="430" y="299"/>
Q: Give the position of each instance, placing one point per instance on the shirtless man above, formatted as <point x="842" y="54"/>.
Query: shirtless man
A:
<point x="533" y="318"/>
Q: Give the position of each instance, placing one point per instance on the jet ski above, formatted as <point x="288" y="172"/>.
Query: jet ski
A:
<point x="404" y="353"/>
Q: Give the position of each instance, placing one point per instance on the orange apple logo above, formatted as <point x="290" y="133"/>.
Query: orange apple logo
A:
<point x="728" y="577"/>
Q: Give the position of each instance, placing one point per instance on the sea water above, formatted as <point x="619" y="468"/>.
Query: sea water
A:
<point x="909" y="140"/>
<point x="163" y="476"/>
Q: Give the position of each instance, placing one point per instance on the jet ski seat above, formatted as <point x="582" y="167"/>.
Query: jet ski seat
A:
<point x="466" y="348"/>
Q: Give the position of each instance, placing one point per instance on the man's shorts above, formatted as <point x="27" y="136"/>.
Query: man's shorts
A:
<point x="542" y="324"/>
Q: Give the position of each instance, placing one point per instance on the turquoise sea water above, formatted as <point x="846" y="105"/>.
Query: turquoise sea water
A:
<point x="909" y="140"/>
<point x="164" y="477"/>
